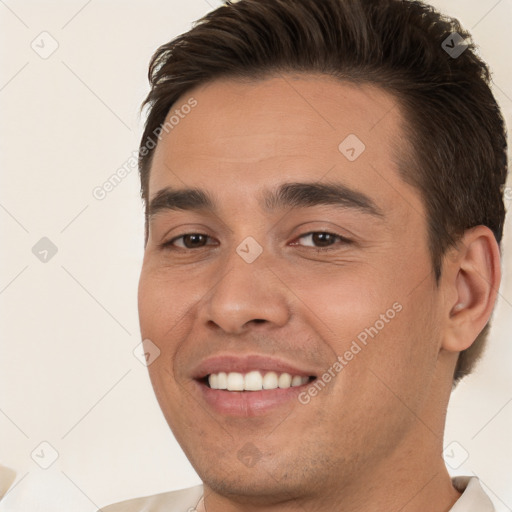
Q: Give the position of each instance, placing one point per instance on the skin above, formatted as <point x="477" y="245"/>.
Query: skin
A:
<point x="372" y="439"/>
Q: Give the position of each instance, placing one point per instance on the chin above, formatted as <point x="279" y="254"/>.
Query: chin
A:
<point x="255" y="486"/>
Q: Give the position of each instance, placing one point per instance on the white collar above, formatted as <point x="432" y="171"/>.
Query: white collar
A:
<point x="473" y="498"/>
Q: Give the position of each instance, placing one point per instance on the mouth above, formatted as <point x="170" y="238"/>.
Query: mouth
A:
<point x="255" y="380"/>
<point x="250" y="385"/>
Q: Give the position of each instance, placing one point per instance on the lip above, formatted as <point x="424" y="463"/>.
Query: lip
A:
<point x="247" y="363"/>
<point x="248" y="403"/>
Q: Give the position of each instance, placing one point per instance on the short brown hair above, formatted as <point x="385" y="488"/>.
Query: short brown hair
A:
<point x="459" y="157"/>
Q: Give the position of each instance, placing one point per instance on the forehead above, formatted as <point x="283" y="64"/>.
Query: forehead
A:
<point x="285" y="128"/>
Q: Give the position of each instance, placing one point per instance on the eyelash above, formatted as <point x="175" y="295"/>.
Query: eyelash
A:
<point x="169" y="245"/>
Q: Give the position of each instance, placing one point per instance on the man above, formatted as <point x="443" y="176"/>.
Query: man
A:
<point x="323" y="188"/>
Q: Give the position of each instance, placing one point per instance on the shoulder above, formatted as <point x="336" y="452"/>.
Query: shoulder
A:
<point x="184" y="500"/>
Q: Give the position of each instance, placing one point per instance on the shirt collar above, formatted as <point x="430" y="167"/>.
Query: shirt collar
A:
<point x="473" y="498"/>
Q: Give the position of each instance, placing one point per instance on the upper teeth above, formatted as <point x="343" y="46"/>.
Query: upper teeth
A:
<point x="254" y="381"/>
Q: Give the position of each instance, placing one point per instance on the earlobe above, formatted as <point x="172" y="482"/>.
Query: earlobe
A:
<point x="473" y="278"/>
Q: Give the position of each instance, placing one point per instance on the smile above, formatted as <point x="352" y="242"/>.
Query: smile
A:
<point x="254" y="381"/>
<point x="250" y="385"/>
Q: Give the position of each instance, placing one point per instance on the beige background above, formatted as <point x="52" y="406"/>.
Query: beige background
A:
<point x="68" y="375"/>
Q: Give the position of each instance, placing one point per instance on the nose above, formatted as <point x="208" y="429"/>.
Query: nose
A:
<point x="248" y="294"/>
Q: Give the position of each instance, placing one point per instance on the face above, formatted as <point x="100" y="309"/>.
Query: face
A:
<point x="301" y="261"/>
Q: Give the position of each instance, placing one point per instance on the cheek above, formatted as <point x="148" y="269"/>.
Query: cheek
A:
<point x="168" y="303"/>
<point x="163" y="303"/>
<point x="380" y="318"/>
<point x="400" y="355"/>
<point x="341" y="300"/>
<point x="160" y="310"/>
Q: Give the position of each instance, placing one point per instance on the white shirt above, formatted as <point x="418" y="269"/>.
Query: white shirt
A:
<point x="473" y="499"/>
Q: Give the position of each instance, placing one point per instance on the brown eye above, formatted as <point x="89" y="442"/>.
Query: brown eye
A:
<point x="194" y="240"/>
<point x="188" y="241"/>
<point x="321" y="239"/>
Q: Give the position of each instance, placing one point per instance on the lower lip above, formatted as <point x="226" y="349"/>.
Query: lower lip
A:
<point x="249" y="403"/>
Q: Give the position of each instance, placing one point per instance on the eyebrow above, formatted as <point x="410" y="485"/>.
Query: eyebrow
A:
<point x="182" y="199"/>
<point x="287" y="195"/>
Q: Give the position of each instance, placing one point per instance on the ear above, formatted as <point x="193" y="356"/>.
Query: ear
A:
<point x="471" y="279"/>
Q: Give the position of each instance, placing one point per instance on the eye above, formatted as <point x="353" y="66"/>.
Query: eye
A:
<point x="188" y="241"/>
<point x="321" y="239"/>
